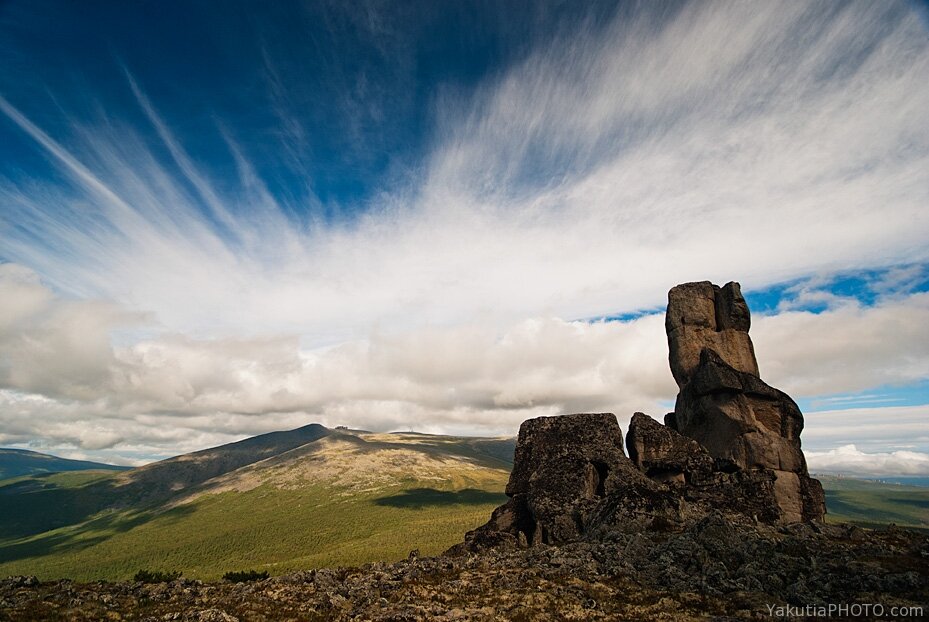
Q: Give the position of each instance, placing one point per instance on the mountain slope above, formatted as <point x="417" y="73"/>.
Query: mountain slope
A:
<point x="340" y="498"/>
<point x="44" y="503"/>
<point x="18" y="462"/>
<point x="161" y="480"/>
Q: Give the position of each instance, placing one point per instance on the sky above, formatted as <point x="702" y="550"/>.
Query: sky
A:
<point x="450" y="217"/>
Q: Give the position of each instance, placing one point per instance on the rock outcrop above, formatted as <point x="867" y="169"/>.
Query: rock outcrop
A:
<point x="725" y="406"/>
<point x="732" y="445"/>
<point x="567" y="471"/>
<point x="665" y="455"/>
<point x="703" y="483"/>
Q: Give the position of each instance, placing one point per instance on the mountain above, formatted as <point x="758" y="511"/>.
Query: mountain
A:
<point x="163" y="480"/>
<point x="17" y="462"/>
<point x="303" y="498"/>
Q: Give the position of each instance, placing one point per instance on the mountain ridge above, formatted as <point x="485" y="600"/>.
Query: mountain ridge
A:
<point x="19" y="462"/>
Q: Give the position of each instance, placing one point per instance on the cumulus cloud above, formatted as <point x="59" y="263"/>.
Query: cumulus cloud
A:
<point x="53" y="346"/>
<point x="847" y="459"/>
<point x="845" y="349"/>
<point x="465" y="378"/>
<point x="167" y="391"/>
<point x="875" y="429"/>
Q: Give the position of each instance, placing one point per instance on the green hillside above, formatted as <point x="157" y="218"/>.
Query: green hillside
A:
<point x="340" y="500"/>
<point x="17" y="462"/>
<point x="870" y="504"/>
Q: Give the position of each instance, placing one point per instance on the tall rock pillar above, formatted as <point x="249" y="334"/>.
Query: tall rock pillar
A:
<point x="724" y="405"/>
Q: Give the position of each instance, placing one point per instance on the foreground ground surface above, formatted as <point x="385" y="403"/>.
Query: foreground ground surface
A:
<point x="714" y="569"/>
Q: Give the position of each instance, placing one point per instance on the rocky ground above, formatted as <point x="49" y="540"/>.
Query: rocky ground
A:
<point x="715" y="569"/>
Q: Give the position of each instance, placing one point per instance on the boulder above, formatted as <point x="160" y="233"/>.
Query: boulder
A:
<point x="665" y="455"/>
<point x="570" y="477"/>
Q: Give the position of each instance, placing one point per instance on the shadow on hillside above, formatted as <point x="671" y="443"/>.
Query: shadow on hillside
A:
<point x="37" y="505"/>
<point x="839" y="504"/>
<point x="32" y="506"/>
<point x="417" y="498"/>
<point x="919" y="503"/>
<point x="88" y="534"/>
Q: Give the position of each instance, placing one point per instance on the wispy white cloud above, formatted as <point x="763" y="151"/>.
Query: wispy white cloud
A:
<point x="733" y="141"/>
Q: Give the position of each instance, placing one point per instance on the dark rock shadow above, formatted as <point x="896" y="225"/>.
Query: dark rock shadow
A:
<point x="418" y="498"/>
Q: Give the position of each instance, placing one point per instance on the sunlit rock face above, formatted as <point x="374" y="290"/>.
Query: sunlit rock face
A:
<point x="724" y="405"/>
<point x="702" y="315"/>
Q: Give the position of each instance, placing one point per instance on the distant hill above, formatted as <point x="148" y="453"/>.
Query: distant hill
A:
<point x="18" y="462"/>
<point x="283" y="501"/>
<point x="168" y="478"/>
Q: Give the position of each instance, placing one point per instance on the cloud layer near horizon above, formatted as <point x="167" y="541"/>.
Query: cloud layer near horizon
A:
<point x="755" y="142"/>
<point x="66" y="382"/>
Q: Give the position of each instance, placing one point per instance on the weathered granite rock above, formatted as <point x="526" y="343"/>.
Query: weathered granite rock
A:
<point x="665" y="455"/>
<point x="702" y="315"/>
<point x="725" y="406"/>
<point x="732" y="445"/>
<point x="701" y="482"/>
<point x="565" y="470"/>
<point x="736" y="416"/>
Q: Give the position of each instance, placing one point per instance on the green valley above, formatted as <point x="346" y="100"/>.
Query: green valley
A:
<point x="869" y="503"/>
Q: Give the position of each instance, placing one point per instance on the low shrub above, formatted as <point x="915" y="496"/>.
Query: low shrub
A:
<point x="242" y="576"/>
<point x="155" y="576"/>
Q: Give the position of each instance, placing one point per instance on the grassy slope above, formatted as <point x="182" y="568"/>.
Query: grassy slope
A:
<point x="869" y="503"/>
<point x="265" y="527"/>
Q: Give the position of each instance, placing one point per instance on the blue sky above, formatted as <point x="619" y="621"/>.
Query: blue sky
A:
<point x="331" y="103"/>
<point x="454" y="216"/>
